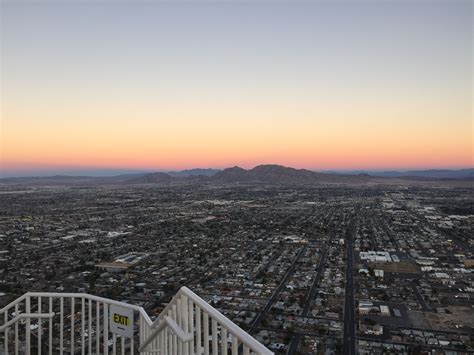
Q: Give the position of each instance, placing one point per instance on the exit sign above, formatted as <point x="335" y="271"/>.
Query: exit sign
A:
<point x="121" y="321"/>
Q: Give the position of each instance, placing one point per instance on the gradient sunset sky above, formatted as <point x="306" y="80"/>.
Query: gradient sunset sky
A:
<point x="169" y="85"/>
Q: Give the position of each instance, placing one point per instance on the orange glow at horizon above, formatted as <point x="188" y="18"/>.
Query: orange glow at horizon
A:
<point x="201" y="139"/>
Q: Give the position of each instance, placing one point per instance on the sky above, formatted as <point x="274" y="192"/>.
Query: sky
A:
<point x="156" y="85"/>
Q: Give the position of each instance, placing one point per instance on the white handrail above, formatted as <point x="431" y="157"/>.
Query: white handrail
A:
<point x="13" y="303"/>
<point x="26" y="315"/>
<point x="233" y="328"/>
<point x="166" y="322"/>
<point x="78" y="295"/>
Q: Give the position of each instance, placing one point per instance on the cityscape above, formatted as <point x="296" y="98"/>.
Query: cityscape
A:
<point x="236" y="177"/>
<point x="304" y="268"/>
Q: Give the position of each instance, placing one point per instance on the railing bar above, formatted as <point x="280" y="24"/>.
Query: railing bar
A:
<point x="25" y="316"/>
<point x="170" y="343"/>
<point x="97" y="328"/>
<point x="28" y="326"/>
<point x="223" y="340"/>
<point x="77" y="295"/>
<point x="155" y="341"/>
<point x="165" y="341"/>
<point x="179" y="321"/>
<point x="15" y="302"/>
<point x="246" y="350"/>
<point x="173" y="326"/>
<point x="215" y="342"/>
<point x="72" y="323"/>
<point x="61" y="325"/>
<point x="122" y="344"/>
<point x="106" y="329"/>
<point x="175" y="338"/>
<point x="148" y="332"/>
<point x="185" y="322"/>
<point x="206" y="332"/>
<point x="85" y="295"/>
<point x="6" y="332"/>
<point x="132" y="345"/>
<point x="40" y="330"/>
<point x="171" y="340"/>
<point x="162" y="341"/>
<point x="114" y="345"/>
<point x="83" y="326"/>
<point x="16" y="330"/>
<point x="141" y="333"/>
<point x="50" y="326"/>
<point x="191" y="325"/>
<point x="235" y="345"/>
<point x="198" y="331"/>
<point x="89" y="321"/>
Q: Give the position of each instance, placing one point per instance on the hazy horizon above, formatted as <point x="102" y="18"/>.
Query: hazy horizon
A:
<point x="101" y="172"/>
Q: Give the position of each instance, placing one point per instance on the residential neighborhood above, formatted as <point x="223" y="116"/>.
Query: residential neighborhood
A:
<point x="303" y="269"/>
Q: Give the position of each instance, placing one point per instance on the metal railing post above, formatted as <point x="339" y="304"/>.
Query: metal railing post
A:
<point x="61" y="326"/>
<point x="97" y="328"/>
<point x="106" y="329"/>
<point x="50" y="328"/>
<point x="83" y="326"/>
<point x="6" y="333"/>
<point x="16" y="331"/>
<point x="72" y="324"/>
<point x="28" y="326"/>
<point x="89" y="321"/>
<point x="40" y="331"/>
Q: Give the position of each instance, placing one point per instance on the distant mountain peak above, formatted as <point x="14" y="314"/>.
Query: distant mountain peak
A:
<point x="277" y="174"/>
<point x="229" y="172"/>
<point x="151" y="178"/>
<point x="263" y="167"/>
<point x="194" y="172"/>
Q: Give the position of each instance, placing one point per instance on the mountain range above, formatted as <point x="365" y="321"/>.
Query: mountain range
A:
<point x="432" y="173"/>
<point x="261" y="174"/>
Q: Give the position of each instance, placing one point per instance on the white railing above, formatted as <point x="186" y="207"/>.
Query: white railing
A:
<point x="77" y="323"/>
<point x="212" y="332"/>
<point x="73" y="324"/>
